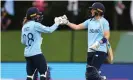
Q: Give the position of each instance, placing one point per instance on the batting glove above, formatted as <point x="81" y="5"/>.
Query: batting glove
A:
<point x="95" y="46"/>
<point x="58" y="20"/>
<point x="65" y="19"/>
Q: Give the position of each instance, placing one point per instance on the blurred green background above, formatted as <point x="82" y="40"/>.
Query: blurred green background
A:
<point x="57" y="46"/>
<point x="65" y="45"/>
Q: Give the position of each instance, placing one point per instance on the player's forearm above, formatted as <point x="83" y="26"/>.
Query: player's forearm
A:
<point x="105" y="37"/>
<point x="53" y="28"/>
<point x="46" y="29"/>
<point x="73" y="26"/>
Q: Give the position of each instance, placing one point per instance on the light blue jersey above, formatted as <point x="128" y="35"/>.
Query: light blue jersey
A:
<point x="31" y="37"/>
<point x="95" y="32"/>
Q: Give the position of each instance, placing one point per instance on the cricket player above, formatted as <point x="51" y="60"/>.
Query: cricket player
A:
<point x="31" y="38"/>
<point x="98" y="34"/>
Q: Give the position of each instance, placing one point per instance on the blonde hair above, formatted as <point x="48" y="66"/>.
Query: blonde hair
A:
<point x="25" y="20"/>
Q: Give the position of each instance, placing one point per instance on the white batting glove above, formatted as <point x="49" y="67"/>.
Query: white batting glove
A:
<point x="65" y="19"/>
<point x="58" y="20"/>
<point x="95" y="46"/>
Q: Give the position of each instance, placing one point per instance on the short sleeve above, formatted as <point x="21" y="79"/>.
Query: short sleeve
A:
<point x="106" y="25"/>
<point x="85" y="23"/>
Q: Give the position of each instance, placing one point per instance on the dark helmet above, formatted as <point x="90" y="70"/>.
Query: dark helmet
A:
<point x="98" y="6"/>
<point x="32" y="12"/>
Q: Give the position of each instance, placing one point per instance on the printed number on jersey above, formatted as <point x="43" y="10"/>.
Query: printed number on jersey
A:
<point x="28" y="39"/>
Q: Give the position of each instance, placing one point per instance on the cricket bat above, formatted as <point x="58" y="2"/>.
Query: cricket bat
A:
<point x="110" y="53"/>
<point x="110" y="56"/>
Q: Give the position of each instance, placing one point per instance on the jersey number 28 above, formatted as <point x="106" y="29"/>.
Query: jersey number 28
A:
<point x="28" y="39"/>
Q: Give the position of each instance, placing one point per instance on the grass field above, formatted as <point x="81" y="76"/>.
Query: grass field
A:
<point x="56" y="46"/>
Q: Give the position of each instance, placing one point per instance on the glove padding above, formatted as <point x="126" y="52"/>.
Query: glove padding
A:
<point x="65" y="19"/>
<point x="58" y="20"/>
<point x="61" y="20"/>
<point x="95" y="46"/>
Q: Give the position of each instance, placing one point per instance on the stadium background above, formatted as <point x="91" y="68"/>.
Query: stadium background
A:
<point x="65" y="49"/>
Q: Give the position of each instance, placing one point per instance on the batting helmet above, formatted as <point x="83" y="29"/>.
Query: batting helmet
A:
<point x="98" y="6"/>
<point x="32" y="12"/>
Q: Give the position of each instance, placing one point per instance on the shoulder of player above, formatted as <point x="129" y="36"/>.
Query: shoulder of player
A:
<point x="88" y="20"/>
<point x="37" y="23"/>
<point x="29" y="24"/>
<point x="104" y="20"/>
<point x="25" y="25"/>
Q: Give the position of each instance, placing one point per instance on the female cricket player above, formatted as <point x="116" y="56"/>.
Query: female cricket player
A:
<point x="97" y="38"/>
<point x="31" y="38"/>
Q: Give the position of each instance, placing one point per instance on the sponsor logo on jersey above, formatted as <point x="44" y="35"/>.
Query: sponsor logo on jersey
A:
<point x="94" y="31"/>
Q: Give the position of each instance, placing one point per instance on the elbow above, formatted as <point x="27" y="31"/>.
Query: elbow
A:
<point x="76" y="28"/>
<point x="22" y="42"/>
<point x="50" y="31"/>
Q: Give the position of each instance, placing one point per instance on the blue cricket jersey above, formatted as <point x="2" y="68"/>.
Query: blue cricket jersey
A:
<point x="95" y="32"/>
<point x="31" y="37"/>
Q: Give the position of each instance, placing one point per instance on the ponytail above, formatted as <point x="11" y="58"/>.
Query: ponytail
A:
<point x="25" y="20"/>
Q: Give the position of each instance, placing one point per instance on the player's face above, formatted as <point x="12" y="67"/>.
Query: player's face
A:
<point x="39" y="18"/>
<point x="92" y="12"/>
